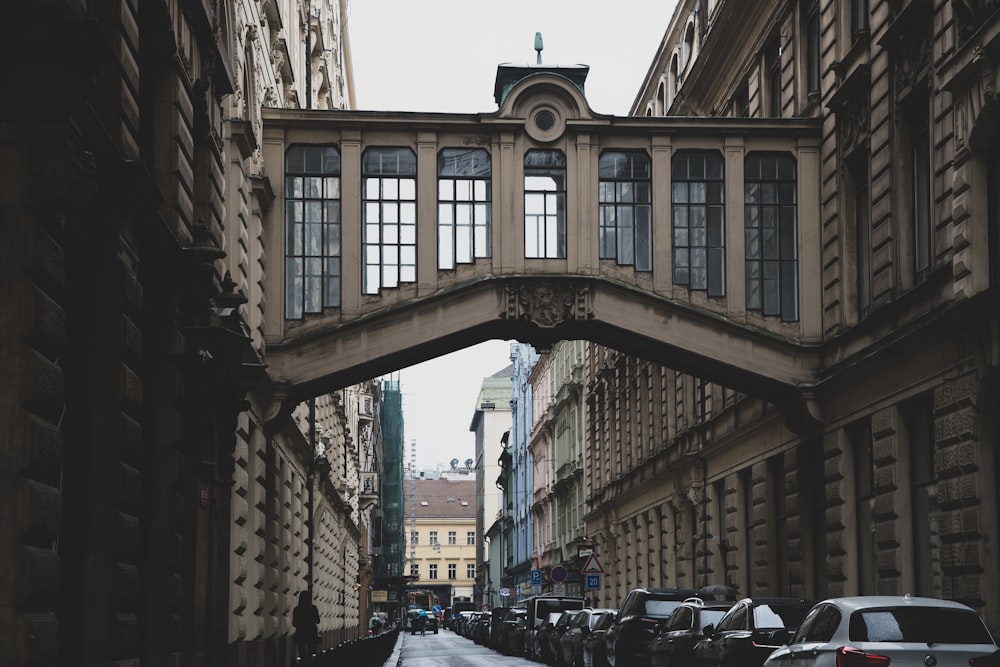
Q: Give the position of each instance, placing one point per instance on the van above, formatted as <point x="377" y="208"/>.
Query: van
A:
<point x="540" y="609"/>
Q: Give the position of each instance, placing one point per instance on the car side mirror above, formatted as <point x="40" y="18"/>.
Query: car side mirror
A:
<point x="709" y="630"/>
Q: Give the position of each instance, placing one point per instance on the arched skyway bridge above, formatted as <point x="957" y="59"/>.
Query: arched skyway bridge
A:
<point x="397" y="237"/>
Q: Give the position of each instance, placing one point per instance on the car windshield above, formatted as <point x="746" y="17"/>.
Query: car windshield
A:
<point x="930" y="625"/>
<point x="778" y="616"/>
<point x="661" y="608"/>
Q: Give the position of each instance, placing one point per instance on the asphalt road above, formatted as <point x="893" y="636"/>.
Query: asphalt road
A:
<point x="446" y="649"/>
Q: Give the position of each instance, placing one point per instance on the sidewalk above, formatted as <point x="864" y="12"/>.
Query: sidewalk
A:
<point x="397" y="651"/>
<point x="379" y="651"/>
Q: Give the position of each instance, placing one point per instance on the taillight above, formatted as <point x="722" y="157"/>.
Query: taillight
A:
<point x="986" y="660"/>
<point x="848" y="656"/>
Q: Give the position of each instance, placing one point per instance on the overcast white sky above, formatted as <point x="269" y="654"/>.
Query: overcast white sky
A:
<point x="442" y="55"/>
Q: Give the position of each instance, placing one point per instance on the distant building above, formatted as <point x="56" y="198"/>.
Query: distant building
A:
<point x="442" y="536"/>
<point x="490" y="422"/>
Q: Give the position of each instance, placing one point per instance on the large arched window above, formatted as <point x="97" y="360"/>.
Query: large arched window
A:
<point x="464" y="214"/>
<point x="389" y="244"/>
<point x="625" y="201"/>
<point x="544" y="204"/>
<point x="770" y="224"/>
<point x="698" y="215"/>
<point x="312" y="229"/>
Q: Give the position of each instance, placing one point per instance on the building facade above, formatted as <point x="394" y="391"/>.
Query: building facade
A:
<point x="559" y="440"/>
<point x="442" y="536"/>
<point x="881" y="480"/>
<point x="159" y="518"/>
<point x="520" y="481"/>
<point x="491" y="423"/>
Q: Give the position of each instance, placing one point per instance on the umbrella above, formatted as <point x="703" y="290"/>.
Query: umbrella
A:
<point x="720" y="591"/>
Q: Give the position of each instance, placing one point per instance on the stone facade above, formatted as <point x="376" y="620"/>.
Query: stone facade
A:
<point x="880" y="479"/>
<point x="151" y="514"/>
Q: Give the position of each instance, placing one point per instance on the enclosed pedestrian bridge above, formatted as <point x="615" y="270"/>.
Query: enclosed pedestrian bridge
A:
<point x="397" y="237"/>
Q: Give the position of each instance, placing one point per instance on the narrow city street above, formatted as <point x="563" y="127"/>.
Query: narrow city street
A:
<point x="448" y="648"/>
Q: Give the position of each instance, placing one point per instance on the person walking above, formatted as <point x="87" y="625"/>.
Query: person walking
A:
<point x="305" y="620"/>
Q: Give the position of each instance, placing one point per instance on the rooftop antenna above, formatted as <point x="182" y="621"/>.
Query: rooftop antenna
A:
<point x="538" y="47"/>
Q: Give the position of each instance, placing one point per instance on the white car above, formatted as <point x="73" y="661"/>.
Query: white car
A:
<point x="876" y="631"/>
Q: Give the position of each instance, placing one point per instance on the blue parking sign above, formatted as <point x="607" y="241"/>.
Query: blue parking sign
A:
<point x="536" y="577"/>
<point x="593" y="582"/>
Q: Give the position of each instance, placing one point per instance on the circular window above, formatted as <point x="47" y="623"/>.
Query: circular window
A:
<point x="545" y="120"/>
<point x="544" y="123"/>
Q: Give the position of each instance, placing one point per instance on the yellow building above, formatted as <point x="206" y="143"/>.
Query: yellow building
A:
<point x="441" y="524"/>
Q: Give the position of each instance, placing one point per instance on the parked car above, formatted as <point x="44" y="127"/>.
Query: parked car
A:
<point x="750" y="631"/>
<point x="627" y="640"/>
<point x="571" y="642"/>
<point x="595" y="651"/>
<point x="495" y="616"/>
<point x="883" y="630"/>
<point x="540" y="609"/>
<point x="541" y="650"/>
<point x="561" y="625"/>
<point x="674" y="640"/>
<point x="510" y="620"/>
<point x="481" y="628"/>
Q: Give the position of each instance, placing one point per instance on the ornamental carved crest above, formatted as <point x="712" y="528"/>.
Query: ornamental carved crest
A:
<point x="546" y="304"/>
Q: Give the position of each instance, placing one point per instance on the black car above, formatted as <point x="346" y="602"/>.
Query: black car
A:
<point x="540" y="649"/>
<point x="750" y="631"/>
<point x="511" y="619"/>
<point x="628" y="639"/>
<point x="673" y="643"/>
<point x="561" y="625"/>
<point x="495" y="616"/>
<point x="480" y="630"/>
<point x="595" y="651"/>
<point x="571" y="642"/>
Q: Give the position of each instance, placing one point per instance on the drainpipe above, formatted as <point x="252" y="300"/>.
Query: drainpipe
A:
<point x="309" y="18"/>
<point x="311" y="481"/>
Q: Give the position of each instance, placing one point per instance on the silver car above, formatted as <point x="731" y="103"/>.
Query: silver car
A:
<point x="876" y="630"/>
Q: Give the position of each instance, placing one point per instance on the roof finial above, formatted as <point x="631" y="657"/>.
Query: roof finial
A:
<point x="538" y="46"/>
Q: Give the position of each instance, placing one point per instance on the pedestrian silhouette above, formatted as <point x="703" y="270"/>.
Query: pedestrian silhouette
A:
<point x="305" y="619"/>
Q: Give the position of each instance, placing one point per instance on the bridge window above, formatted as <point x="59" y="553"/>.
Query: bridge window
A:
<point x="545" y="204"/>
<point x="390" y="218"/>
<point x="698" y="214"/>
<point x="771" y="235"/>
<point x="464" y="214"/>
<point x="625" y="196"/>
<point x="312" y="230"/>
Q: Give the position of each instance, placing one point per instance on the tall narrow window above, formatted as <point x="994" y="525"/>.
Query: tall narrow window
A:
<point x="993" y="208"/>
<point x="920" y="184"/>
<point x="777" y="517"/>
<point x="432" y="571"/>
<point x="771" y="235"/>
<point x="698" y="214"/>
<point x="858" y="174"/>
<point x="390" y="218"/>
<point x="625" y="201"/>
<point x="544" y="205"/>
<point x="811" y="24"/>
<point x="918" y="417"/>
<point x="860" y="437"/>
<point x="772" y="64"/>
<point x="312" y="230"/>
<point x="464" y="211"/>
<point x="453" y="570"/>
